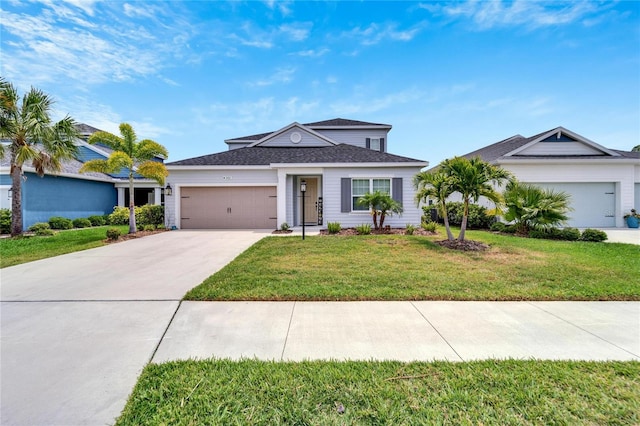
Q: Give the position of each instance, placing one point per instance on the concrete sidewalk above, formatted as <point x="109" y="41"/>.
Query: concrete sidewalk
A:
<point x="406" y="331"/>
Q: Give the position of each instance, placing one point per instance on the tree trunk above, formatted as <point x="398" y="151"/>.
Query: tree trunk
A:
<point x="382" y="216"/>
<point x="16" y="200"/>
<point x="445" y="218"/>
<point x="132" y="208"/>
<point x="374" y="213"/>
<point x="465" y="216"/>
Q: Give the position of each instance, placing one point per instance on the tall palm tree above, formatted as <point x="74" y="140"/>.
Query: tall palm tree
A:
<point x="532" y="207"/>
<point x="473" y="178"/>
<point x="34" y="140"/>
<point x="434" y="185"/>
<point x="130" y="155"/>
<point x="381" y="205"/>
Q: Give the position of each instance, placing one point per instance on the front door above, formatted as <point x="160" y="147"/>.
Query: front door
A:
<point x="311" y="202"/>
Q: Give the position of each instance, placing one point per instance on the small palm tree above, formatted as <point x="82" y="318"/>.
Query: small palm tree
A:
<point x="35" y="140"/>
<point x="473" y="178"/>
<point x="434" y="185"/>
<point x="532" y="207"/>
<point x="381" y="205"/>
<point x="130" y="155"/>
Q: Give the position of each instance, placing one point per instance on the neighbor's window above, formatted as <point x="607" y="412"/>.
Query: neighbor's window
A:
<point x="360" y="187"/>
<point x="375" y="144"/>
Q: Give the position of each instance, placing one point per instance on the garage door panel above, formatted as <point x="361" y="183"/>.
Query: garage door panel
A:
<point x="228" y="207"/>
<point x="593" y="203"/>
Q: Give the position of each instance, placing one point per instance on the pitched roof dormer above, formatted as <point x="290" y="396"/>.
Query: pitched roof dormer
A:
<point x="560" y="142"/>
<point x="294" y="135"/>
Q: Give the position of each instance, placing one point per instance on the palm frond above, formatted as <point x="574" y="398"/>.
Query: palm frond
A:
<point x="107" y="139"/>
<point x="153" y="170"/>
<point x="99" y="166"/>
<point x="148" y="149"/>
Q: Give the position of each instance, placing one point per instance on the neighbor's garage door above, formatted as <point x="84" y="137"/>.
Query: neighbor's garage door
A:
<point x="228" y="208"/>
<point x="594" y="203"/>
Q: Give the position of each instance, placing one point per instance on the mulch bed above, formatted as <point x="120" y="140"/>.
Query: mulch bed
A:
<point x="387" y="231"/>
<point x="139" y="234"/>
<point x="466" y="245"/>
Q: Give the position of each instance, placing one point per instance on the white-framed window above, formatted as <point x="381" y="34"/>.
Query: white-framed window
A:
<point x="375" y="144"/>
<point x="360" y="187"/>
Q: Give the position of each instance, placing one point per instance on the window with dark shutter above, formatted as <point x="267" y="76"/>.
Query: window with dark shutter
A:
<point x="345" y="195"/>
<point x="396" y="189"/>
<point x="382" y="147"/>
<point x="368" y="143"/>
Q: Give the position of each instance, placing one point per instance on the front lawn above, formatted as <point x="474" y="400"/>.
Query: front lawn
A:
<point x="399" y="267"/>
<point x="14" y="251"/>
<point x="385" y="393"/>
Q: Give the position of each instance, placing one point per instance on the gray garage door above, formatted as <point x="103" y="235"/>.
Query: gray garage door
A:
<point x="228" y="208"/>
<point x="594" y="203"/>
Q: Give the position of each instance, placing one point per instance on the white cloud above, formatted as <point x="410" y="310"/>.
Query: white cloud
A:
<point x="529" y="14"/>
<point x="312" y="53"/>
<point x="281" y="75"/>
<point x="296" y="32"/>
<point x="376" y="33"/>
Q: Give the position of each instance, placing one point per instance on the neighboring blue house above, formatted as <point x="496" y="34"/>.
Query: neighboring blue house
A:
<point x="74" y="195"/>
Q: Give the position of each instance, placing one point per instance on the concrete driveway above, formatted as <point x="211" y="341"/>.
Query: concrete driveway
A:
<point x="78" y="329"/>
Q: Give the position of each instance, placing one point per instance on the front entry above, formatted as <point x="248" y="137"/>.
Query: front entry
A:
<point x="311" y="202"/>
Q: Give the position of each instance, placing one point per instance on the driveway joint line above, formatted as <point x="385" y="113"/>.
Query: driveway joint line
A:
<point x="164" y="333"/>
<point x="583" y="329"/>
<point x="286" y="338"/>
<point x="436" y="330"/>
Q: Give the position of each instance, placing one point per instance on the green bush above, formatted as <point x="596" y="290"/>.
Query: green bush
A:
<point x="566" y="234"/>
<point x="409" y="229"/>
<point x="570" y="234"/>
<point x="81" y="223"/>
<point x="429" y="226"/>
<point x="150" y="214"/>
<point x="285" y="226"/>
<point x="97" y="220"/>
<point x="41" y="229"/>
<point x="5" y="221"/>
<point x="148" y="228"/>
<point x="477" y="219"/>
<point x="333" y="227"/>
<point x="364" y="229"/>
<point x="58" y="222"/>
<point x="498" y="227"/>
<point x="120" y="216"/>
<point x="593" y="235"/>
<point x="113" y="234"/>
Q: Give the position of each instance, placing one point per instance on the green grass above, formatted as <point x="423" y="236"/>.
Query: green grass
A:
<point x="14" y="251"/>
<point x="399" y="267"/>
<point x="385" y="393"/>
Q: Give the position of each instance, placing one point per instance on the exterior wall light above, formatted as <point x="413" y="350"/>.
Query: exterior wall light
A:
<point x="168" y="191"/>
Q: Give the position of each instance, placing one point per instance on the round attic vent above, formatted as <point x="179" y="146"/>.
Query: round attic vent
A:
<point x="295" y="137"/>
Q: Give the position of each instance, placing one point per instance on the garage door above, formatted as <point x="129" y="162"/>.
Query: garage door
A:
<point x="228" y="208"/>
<point x="594" y="203"/>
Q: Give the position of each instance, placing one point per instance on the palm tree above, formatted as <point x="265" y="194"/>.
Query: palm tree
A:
<point x="34" y="139"/>
<point x="131" y="155"/>
<point x="636" y="148"/>
<point x="473" y="178"/>
<point x="434" y="185"/>
<point x="381" y="205"/>
<point x="532" y="207"/>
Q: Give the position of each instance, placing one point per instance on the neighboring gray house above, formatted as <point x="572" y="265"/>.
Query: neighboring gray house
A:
<point x="604" y="183"/>
<point x="256" y="183"/>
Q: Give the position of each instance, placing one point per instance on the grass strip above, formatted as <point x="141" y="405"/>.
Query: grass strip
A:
<point x="385" y="393"/>
<point x="400" y="267"/>
<point x="14" y="251"/>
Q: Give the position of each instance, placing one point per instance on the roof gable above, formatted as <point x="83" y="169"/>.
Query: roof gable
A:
<point x="560" y="142"/>
<point x="294" y="135"/>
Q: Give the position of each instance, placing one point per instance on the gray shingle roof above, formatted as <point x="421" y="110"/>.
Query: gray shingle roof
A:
<point x="334" y="122"/>
<point x="258" y="155"/>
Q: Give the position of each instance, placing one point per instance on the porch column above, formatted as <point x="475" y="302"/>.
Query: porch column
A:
<point x="281" y="192"/>
<point x="121" y="197"/>
<point x="157" y="199"/>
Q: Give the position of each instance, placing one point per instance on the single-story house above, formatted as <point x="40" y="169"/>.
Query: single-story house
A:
<point x="604" y="183"/>
<point x="256" y="182"/>
<point x="72" y="194"/>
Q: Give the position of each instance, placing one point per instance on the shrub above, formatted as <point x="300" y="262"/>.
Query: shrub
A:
<point x="81" y="223"/>
<point x="113" y="234"/>
<point x="429" y="226"/>
<point x="97" y="220"/>
<point x="409" y="229"/>
<point x="429" y="214"/>
<point x="333" y="227"/>
<point x="150" y="214"/>
<point x="477" y="219"/>
<point x="498" y="227"/>
<point x="364" y="229"/>
<point x="58" y="222"/>
<point x="41" y="229"/>
<point x="594" y="235"/>
<point x="567" y="234"/>
<point x="285" y="226"/>
<point x="148" y="228"/>
<point x="5" y="221"/>
<point x="570" y="234"/>
<point x="120" y="216"/>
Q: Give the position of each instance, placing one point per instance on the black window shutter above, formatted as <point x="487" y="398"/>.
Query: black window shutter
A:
<point x="345" y="195"/>
<point x="396" y="189"/>
<point x="382" y="145"/>
<point x="368" y="143"/>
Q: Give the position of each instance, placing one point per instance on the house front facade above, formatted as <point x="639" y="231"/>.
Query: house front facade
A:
<point x="603" y="183"/>
<point x="256" y="183"/>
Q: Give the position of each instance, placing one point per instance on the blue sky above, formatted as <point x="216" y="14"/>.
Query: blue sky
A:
<point x="450" y="77"/>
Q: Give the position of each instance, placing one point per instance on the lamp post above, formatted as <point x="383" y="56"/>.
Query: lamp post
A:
<point x="303" y="189"/>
